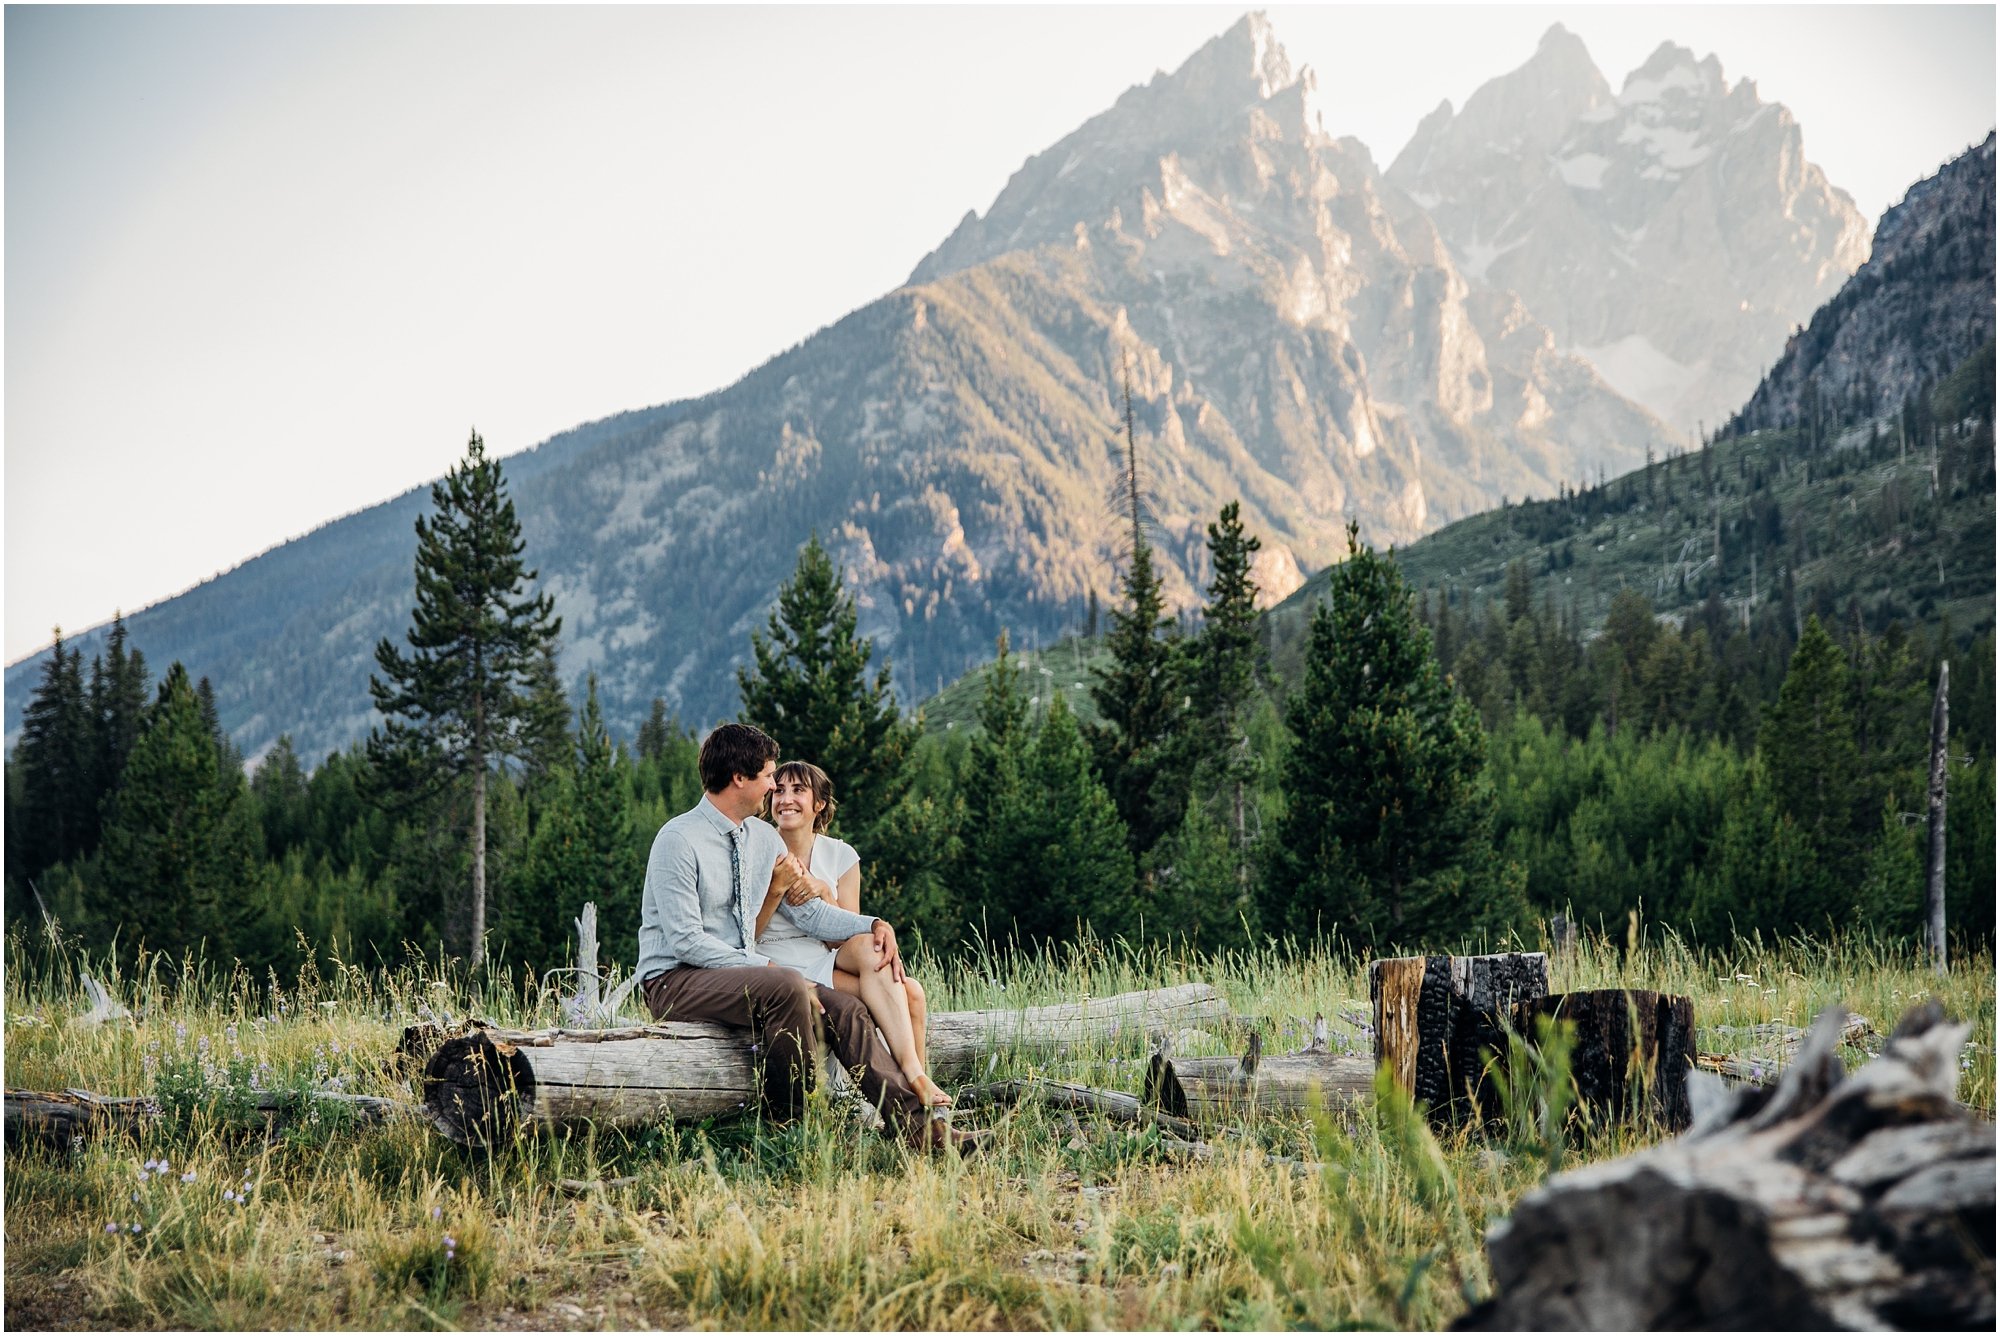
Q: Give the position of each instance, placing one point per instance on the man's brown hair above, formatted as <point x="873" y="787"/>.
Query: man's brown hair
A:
<point x="732" y="750"/>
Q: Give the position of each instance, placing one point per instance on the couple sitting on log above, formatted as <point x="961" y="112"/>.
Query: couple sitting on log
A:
<point x="802" y="966"/>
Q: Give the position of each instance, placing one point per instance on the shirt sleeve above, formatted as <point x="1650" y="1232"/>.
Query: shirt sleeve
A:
<point x="671" y="886"/>
<point x="828" y="923"/>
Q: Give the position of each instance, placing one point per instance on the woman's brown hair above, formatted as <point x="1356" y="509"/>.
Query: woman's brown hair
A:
<point x="815" y="779"/>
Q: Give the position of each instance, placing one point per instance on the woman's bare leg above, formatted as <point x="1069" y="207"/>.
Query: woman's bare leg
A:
<point x="890" y="1006"/>
<point x="919" y="1019"/>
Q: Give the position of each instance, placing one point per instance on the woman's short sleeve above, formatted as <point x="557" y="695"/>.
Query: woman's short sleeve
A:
<point x="845" y="859"/>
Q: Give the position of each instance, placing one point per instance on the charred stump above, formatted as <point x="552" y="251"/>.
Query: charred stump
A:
<point x="1632" y="1052"/>
<point x="1437" y="1016"/>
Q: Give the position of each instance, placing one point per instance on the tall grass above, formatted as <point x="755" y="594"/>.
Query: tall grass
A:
<point x="1068" y="1223"/>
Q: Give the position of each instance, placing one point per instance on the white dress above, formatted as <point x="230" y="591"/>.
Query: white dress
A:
<point x="784" y="942"/>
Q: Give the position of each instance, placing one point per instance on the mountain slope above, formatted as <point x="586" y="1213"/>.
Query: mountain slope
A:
<point x="1921" y="305"/>
<point x="1297" y="336"/>
<point x="1672" y="234"/>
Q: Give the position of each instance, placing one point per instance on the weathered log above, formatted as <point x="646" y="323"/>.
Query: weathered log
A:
<point x="1772" y="1047"/>
<point x="1632" y="1051"/>
<point x="1827" y="1201"/>
<point x="57" y="1116"/>
<point x="488" y="1082"/>
<point x="1435" y="1017"/>
<point x="1115" y="1105"/>
<point x="1214" y="1091"/>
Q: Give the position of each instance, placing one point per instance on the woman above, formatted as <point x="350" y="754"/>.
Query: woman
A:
<point x="800" y="807"/>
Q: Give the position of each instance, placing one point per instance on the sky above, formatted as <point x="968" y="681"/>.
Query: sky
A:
<point x="268" y="266"/>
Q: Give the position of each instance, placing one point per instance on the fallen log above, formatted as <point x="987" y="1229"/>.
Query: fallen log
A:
<point x="1212" y="1091"/>
<point x="1631" y="1055"/>
<point x="58" y="1116"/>
<point x="487" y="1083"/>
<point x="1115" y="1105"/>
<point x="1826" y="1201"/>
<point x="1773" y="1047"/>
<point x="1436" y="1017"/>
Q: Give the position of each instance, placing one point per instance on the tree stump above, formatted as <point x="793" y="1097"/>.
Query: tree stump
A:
<point x="1435" y="1014"/>
<point x="1632" y="1053"/>
<point x="1827" y="1201"/>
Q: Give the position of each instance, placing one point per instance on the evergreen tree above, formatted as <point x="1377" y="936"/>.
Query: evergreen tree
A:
<point x="1134" y="694"/>
<point x="1079" y="866"/>
<point x="283" y="799"/>
<point x="656" y="732"/>
<point x="118" y="703"/>
<point x="1807" y="745"/>
<point x="57" y="758"/>
<point x="181" y="842"/>
<point x="460" y="700"/>
<point x="545" y="735"/>
<point x="809" y="687"/>
<point x="1388" y="829"/>
<point x="1220" y="669"/>
<point x="992" y="866"/>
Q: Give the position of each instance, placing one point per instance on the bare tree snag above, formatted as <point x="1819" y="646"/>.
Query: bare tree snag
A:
<point x="1632" y="1053"/>
<point x="1934" y="872"/>
<point x="1435" y="1014"/>
<point x="1827" y="1201"/>
<point x="488" y="1082"/>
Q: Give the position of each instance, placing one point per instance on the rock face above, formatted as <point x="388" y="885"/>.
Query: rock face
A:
<point x="1921" y="305"/>
<point x="1298" y="337"/>
<point x="1673" y="234"/>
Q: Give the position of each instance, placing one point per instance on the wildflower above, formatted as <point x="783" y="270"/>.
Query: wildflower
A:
<point x="328" y="1006"/>
<point x="437" y="1212"/>
<point x="149" y="1164"/>
<point x="188" y="1177"/>
<point x="136" y="1226"/>
<point x="227" y="1195"/>
<point x="111" y="1227"/>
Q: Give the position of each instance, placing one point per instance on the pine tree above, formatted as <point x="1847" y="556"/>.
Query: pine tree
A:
<point x="57" y="758"/>
<point x="1220" y="668"/>
<point x="118" y="700"/>
<point x="460" y="700"/>
<point x="1134" y="693"/>
<point x="1388" y="829"/>
<point x="181" y="842"/>
<point x="1807" y="744"/>
<point x="991" y="783"/>
<point x="655" y="733"/>
<point x="1080" y="866"/>
<point x="809" y="688"/>
<point x="545" y="735"/>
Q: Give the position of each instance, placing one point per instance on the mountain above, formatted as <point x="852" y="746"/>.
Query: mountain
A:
<point x="1297" y="336"/>
<point x="1673" y="234"/>
<point x="1885" y="509"/>
<point x="1921" y="305"/>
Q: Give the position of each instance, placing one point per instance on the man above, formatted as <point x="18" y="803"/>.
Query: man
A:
<point x="697" y="960"/>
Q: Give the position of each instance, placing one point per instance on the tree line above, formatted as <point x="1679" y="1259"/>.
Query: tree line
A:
<point x="1436" y="770"/>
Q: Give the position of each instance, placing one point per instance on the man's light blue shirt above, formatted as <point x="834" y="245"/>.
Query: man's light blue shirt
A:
<point x="689" y="914"/>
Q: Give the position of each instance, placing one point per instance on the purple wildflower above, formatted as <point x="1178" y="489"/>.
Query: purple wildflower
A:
<point x="188" y="1177"/>
<point x="111" y="1227"/>
<point x="437" y="1212"/>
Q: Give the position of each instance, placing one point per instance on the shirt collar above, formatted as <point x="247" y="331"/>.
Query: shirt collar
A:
<point x="718" y="819"/>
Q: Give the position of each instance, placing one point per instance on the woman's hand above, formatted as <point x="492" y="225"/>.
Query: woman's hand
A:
<point x="808" y="888"/>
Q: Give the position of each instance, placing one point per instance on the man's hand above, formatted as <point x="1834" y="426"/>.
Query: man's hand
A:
<point x="885" y="945"/>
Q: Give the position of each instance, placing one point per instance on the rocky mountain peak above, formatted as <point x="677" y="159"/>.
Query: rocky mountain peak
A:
<point x="1670" y="235"/>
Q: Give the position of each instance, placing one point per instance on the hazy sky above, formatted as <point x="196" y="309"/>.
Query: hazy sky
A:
<point x="267" y="266"/>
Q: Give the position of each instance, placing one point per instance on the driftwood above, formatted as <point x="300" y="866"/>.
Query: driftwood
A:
<point x="488" y="1082"/>
<point x="1633" y="1049"/>
<point x="1827" y="1201"/>
<point x="58" y="1116"/>
<point x="1438" y="1017"/>
<point x="1213" y="1091"/>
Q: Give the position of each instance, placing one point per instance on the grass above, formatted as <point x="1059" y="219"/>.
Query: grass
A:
<point x="1072" y="1224"/>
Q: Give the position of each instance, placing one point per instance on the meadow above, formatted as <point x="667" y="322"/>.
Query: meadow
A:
<point x="1362" y="1219"/>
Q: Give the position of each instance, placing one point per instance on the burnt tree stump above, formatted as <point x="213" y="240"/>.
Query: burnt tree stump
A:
<point x="1435" y="1015"/>
<point x="1632" y="1053"/>
<point x="1861" y="1201"/>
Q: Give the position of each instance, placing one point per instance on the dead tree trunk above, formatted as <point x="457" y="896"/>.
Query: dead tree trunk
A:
<point x="1632" y="1053"/>
<point x="489" y="1082"/>
<point x="1436" y="1015"/>
<point x="1934" y="873"/>
<point x="1828" y="1201"/>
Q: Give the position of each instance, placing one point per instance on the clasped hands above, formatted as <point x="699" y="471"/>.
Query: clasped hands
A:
<point x="804" y="886"/>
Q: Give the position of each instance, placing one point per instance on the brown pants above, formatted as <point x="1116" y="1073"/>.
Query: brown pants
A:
<point x="776" y="1004"/>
